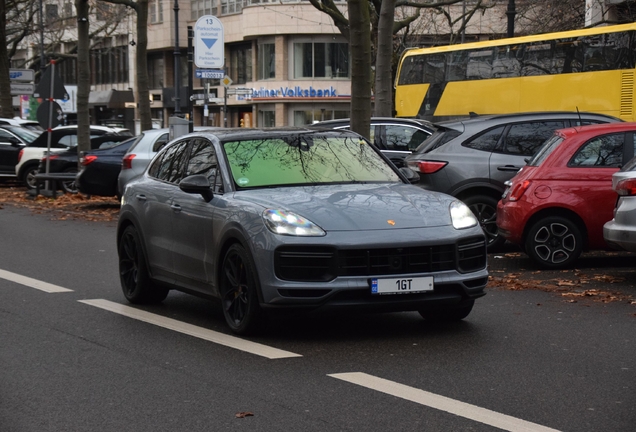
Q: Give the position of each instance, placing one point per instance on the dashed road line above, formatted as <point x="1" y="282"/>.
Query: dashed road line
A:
<point x="192" y="330"/>
<point x="32" y="283"/>
<point x="442" y="403"/>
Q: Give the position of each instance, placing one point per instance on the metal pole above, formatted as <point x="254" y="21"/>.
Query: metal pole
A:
<point x="190" y="83"/>
<point x="177" y="60"/>
<point x="42" y="65"/>
<point x="511" y="12"/>
<point x="463" y="20"/>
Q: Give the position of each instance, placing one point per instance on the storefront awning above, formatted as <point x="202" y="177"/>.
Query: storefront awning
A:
<point x="113" y="99"/>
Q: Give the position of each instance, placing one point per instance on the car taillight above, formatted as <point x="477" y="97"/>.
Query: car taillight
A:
<point x="626" y="187"/>
<point x="51" y="157"/>
<point x="20" y="155"/>
<point x="426" y="167"/>
<point x="85" y="160"/>
<point x="517" y="190"/>
<point x="126" y="162"/>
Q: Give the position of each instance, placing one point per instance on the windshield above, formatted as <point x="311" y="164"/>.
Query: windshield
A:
<point x="306" y="160"/>
<point x="26" y="135"/>
<point x="545" y="150"/>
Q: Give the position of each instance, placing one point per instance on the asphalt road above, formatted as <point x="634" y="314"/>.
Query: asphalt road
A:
<point x="82" y="360"/>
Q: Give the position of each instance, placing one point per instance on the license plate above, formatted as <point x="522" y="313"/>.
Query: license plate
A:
<point x="402" y="285"/>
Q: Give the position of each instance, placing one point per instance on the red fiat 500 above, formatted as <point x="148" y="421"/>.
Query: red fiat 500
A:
<point x="555" y="207"/>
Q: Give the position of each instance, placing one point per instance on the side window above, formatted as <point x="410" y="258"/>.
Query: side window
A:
<point x="161" y="141"/>
<point x="170" y="167"/>
<point x="603" y="151"/>
<point x="68" y="141"/>
<point x="203" y="161"/>
<point x="6" y="137"/>
<point x="524" y="139"/>
<point x="486" y="141"/>
<point x="404" y="138"/>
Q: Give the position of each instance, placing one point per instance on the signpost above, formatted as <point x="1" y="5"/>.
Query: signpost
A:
<point x="26" y="75"/>
<point x="22" y="89"/>
<point x="209" y="43"/>
<point x="210" y="73"/>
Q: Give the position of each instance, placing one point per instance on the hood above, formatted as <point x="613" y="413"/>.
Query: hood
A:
<point x="358" y="207"/>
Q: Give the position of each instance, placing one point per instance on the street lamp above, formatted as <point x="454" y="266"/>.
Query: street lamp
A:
<point x="511" y="12"/>
<point x="177" y="60"/>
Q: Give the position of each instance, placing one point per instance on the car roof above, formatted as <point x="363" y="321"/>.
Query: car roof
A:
<point x="510" y="118"/>
<point x="596" y="129"/>
<point x="228" y="134"/>
<point x="346" y="121"/>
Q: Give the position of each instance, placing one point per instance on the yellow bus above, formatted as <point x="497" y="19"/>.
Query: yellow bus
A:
<point x="589" y="70"/>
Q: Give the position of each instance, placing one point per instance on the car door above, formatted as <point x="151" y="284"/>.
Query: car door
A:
<point x="519" y="142"/>
<point x="193" y="221"/>
<point x="156" y="201"/>
<point x="10" y="147"/>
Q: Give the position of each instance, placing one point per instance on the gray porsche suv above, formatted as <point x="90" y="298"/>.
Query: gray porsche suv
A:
<point x="472" y="158"/>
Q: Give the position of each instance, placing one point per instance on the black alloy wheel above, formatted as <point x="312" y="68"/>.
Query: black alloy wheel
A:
<point x="28" y="176"/>
<point x="554" y="242"/>
<point x="485" y="210"/>
<point x="133" y="274"/>
<point x="69" y="186"/>
<point x="239" y="298"/>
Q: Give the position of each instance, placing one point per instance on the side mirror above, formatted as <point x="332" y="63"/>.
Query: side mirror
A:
<point x="197" y="184"/>
<point x="412" y="176"/>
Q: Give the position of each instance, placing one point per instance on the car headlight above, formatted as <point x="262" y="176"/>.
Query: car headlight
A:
<point x="288" y="223"/>
<point x="462" y="216"/>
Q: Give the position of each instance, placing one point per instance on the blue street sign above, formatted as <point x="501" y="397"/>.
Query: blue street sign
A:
<point x="209" y="73"/>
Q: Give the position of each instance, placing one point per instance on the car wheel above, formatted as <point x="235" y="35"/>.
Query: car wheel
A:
<point x="133" y="273"/>
<point x="69" y="186"/>
<point x="554" y="242"/>
<point x="28" y="176"/>
<point x="484" y="208"/>
<point x="448" y="314"/>
<point x="238" y="286"/>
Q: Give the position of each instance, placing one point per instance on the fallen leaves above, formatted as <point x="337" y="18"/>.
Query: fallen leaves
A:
<point x="243" y="414"/>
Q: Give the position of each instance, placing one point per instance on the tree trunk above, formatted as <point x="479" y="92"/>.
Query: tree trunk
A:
<point x="383" y="61"/>
<point x="6" y="101"/>
<point x="360" y="53"/>
<point x="83" y="76"/>
<point x="143" y="95"/>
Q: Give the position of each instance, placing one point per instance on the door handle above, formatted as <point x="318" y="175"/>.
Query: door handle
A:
<point x="175" y="207"/>
<point x="508" y="168"/>
<point x="141" y="197"/>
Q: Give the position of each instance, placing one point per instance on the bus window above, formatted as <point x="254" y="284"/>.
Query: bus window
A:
<point x="537" y="59"/>
<point x="434" y="70"/>
<point x="412" y="71"/>
<point x="457" y="64"/>
<point x="506" y="63"/>
<point x="479" y="64"/>
<point x="568" y="56"/>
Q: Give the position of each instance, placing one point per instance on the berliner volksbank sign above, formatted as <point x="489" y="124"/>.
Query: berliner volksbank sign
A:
<point x="209" y="43"/>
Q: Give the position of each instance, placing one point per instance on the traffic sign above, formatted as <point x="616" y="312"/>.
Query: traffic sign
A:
<point x="240" y="91"/>
<point x="226" y="81"/>
<point x="210" y="73"/>
<point x="22" y="75"/>
<point x="22" y="89"/>
<point x="209" y="43"/>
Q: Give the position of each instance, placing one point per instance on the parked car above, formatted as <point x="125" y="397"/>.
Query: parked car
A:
<point x="67" y="161"/>
<point x="100" y="168"/>
<point x="32" y="125"/>
<point x="295" y="218"/>
<point x="62" y="138"/>
<point x="395" y="137"/>
<point x="472" y="159"/>
<point x="142" y="151"/>
<point x="12" y="140"/>
<point x="555" y="207"/>
<point x="620" y="232"/>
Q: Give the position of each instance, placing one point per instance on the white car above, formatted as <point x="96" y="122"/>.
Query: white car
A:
<point x="27" y="124"/>
<point x="62" y="138"/>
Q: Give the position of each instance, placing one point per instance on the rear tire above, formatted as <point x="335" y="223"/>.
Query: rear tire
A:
<point x="554" y="242"/>
<point x="484" y="208"/>
<point x="70" y="186"/>
<point x="448" y="314"/>
<point x="135" y="281"/>
<point x="28" y="176"/>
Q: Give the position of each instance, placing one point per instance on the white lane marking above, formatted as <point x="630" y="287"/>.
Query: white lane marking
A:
<point x="442" y="403"/>
<point x="192" y="330"/>
<point x="32" y="283"/>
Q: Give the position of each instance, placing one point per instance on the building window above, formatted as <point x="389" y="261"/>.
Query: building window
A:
<point x="51" y="14"/>
<point x="321" y="60"/>
<point x="313" y="115"/>
<point x="198" y="8"/>
<point x="231" y="6"/>
<point x="267" y="119"/>
<point x="266" y="61"/>
<point x="67" y="70"/>
<point x="109" y="65"/>
<point x="155" y="11"/>
<point x="241" y="63"/>
<point x="155" y="71"/>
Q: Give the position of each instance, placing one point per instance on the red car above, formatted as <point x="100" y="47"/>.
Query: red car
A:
<point x="556" y="205"/>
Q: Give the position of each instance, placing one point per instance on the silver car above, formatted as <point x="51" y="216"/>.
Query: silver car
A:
<point x="295" y="219"/>
<point x="139" y="155"/>
<point x="620" y="232"/>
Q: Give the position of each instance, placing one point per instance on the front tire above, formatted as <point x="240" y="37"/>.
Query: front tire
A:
<point x="239" y="291"/>
<point x="135" y="281"/>
<point x="554" y="242"/>
<point x="28" y="176"/>
<point x="484" y="208"/>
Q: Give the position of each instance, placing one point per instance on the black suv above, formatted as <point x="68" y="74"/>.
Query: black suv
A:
<point x="396" y="138"/>
<point x="471" y="159"/>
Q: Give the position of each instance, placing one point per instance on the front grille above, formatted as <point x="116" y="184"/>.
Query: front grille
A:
<point x="322" y="264"/>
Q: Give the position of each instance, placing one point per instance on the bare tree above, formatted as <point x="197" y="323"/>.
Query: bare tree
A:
<point x="83" y="75"/>
<point x="360" y="48"/>
<point x="6" y="104"/>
